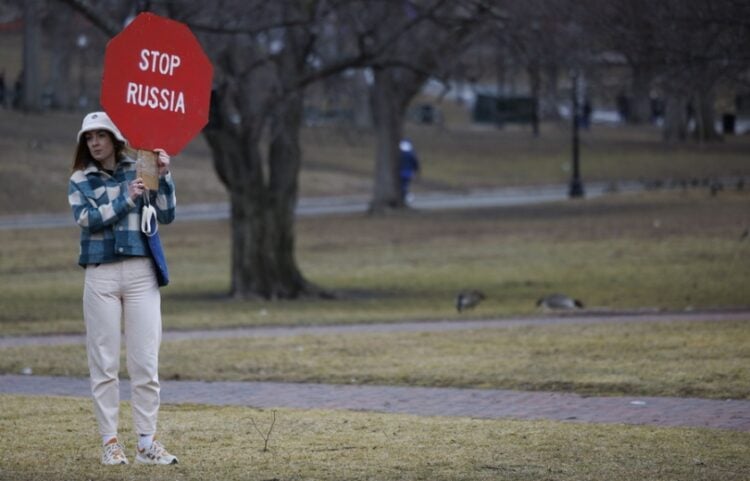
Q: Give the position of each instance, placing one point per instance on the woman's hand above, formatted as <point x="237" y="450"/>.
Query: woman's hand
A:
<point x="136" y="188"/>
<point x="162" y="161"/>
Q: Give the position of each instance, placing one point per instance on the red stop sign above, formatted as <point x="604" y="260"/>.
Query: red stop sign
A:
<point x="157" y="83"/>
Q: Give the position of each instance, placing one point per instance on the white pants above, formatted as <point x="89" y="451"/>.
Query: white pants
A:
<point x="123" y="291"/>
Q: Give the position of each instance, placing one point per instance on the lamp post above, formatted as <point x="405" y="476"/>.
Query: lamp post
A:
<point x="576" y="186"/>
<point x="82" y="42"/>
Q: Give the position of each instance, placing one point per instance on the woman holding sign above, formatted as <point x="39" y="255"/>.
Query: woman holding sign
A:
<point x="120" y="284"/>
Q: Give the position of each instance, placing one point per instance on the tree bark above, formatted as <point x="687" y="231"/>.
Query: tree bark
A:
<point x="31" y="99"/>
<point x="535" y="85"/>
<point x="548" y="109"/>
<point x="61" y="59"/>
<point x="675" y="117"/>
<point x="640" y="111"/>
<point x="285" y="161"/>
<point x="705" y="116"/>
<point x="262" y="212"/>
<point x="237" y="162"/>
<point x="388" y="118"/>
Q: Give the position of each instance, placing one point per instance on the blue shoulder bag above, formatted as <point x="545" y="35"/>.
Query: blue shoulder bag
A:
<point x="150" y="228"/>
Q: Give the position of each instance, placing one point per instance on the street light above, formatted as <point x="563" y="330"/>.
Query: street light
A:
<point x="576" y="186"/>
<point x="82" y="42"/>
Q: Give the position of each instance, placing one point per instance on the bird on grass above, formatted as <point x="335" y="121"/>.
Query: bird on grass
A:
<point x="468" y="299"/>
<point x="558" y="301"/>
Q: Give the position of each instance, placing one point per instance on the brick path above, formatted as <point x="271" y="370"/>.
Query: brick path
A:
<point x="478" y="403"/>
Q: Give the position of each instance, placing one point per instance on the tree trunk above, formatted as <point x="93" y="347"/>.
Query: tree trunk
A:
<point x="61" y="59"/>
<point x="31" y="94"/>
<point x="640" y="111"/>
<point x="285" y="160"/>
<point x="262" y="206"/>
<point x="361" y="102"/>
<point x="535" y="81"/>
<point x="675" y="117"/>
<point x="237" y="161"/>
<point x="548" y="109"/>
<point x="388" y="118"/>
<point x="705" y="116"/>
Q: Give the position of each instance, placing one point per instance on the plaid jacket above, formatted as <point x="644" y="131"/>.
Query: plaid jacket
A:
<point x="110" y="220"/>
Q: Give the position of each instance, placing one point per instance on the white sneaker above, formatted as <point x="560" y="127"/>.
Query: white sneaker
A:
<point x="113" y="453"/>
<point x="156" y="454"/>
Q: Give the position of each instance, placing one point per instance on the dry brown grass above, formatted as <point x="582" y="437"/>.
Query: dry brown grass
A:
<point x="672" y="251"/>
<point x="38" y="150"/>
<point x="694" y="359"/>
<point x="221" y="444"/>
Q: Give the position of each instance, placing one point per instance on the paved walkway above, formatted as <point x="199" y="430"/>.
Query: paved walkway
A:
<point x="478" y="403"/>
<point x="348" y="204"/>
<point x="579" y="317"/>
<point x="317" y="206"/>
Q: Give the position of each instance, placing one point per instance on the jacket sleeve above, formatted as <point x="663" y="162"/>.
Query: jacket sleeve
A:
<point x="90" y="215"/>
<point x="165" y="201"/>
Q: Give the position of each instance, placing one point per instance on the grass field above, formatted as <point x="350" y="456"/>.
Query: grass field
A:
<point x="695" y="359"/>
<point x="658" y="251"/>
<point x="38" y="149"/>
<point x="222" y="444"/>
<point x="661" y="250"/>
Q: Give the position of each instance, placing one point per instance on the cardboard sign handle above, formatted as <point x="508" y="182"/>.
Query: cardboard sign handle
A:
<point x="146" y="166"/>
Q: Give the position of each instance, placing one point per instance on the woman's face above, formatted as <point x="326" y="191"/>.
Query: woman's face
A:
<point x="100" y="145"/>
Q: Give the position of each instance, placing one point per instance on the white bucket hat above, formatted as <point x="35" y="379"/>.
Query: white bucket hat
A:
<point x="99" y="121"/>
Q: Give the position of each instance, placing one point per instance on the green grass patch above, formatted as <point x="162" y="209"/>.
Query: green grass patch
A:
<point x="693" y="359"/>
<point x="221" y="443"/>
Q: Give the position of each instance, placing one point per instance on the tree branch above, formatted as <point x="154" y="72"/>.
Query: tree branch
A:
<point x="95" y="15"/>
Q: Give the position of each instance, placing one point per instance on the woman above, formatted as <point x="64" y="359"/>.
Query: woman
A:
<point x="120" y="282"/>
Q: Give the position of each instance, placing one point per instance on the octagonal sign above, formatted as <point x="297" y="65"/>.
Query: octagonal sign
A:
<point x="157" y="83"/>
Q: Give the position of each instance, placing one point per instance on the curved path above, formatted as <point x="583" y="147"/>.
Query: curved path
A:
<point x="318" y="206"/>
<point x="576" y="317"/>
<point x="478" y="403"/>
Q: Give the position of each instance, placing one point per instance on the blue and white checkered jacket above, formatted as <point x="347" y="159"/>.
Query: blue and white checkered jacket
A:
<point x="110" y="220"/>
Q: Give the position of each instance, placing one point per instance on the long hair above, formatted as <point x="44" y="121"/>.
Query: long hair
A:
<point x="83" y="158"/>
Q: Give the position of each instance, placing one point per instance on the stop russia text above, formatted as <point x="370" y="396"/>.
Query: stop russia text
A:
<point x="155" y="97"/>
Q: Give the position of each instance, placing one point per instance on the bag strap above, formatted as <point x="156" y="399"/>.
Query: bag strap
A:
<point x="149" y="223"/>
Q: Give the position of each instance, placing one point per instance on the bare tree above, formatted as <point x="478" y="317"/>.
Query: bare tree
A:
<point x="545" y="39"/>
<point x="630" y="30"/>
<point x="31" y="87"/>
<point x="264" y="54"/>
<point x="703" y="44"/>
<point x="430" y="36"/>
<point x="684" y="48"/>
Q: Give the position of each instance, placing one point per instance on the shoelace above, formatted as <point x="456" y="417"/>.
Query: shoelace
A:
<point x="156" y="450"/>
<point x="115" y="451"/>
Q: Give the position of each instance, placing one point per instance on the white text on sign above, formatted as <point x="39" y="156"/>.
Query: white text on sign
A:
<point x="156" y="61"/>
<point x="152" y="96"/>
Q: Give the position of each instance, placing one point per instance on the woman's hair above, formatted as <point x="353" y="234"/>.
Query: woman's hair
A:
<point x="83" y="157"/>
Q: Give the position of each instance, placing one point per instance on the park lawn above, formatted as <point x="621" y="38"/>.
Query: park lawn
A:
<point x="671" y="250"/>
<point x="223" y="443"/>
<point x="339" y="160"/>
<point x="687" y="359"/>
